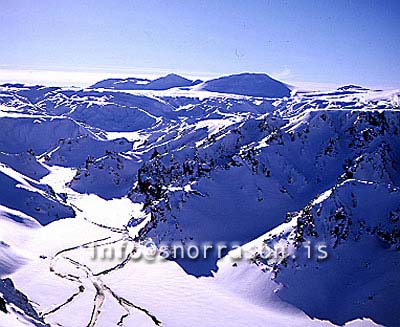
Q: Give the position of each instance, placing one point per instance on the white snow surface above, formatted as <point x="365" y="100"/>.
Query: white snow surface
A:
<point x="108" y="168"/>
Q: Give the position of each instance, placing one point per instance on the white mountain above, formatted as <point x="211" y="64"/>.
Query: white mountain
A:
<point x="258" y="85"/>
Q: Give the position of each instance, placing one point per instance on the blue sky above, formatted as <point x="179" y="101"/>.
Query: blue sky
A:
<point x="321" y="42"/>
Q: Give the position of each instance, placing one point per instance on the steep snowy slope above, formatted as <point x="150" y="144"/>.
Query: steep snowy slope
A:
<point x="12" y="222"/>
<point x="73" y="152"/>
<point x="111" y="176"/>
<point x="25" y="163"/>
<point x="21" y="133"/>
<point x="15" y="309"/>
<point x="246" y="186"/>
<point x="21" y="193"/>
<point x="358" y="223"/>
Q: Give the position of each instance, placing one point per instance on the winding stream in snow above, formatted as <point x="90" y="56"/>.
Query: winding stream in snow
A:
<point x="99" y="212"/>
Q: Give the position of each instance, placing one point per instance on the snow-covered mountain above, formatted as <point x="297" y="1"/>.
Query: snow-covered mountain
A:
<point x="240" y="160"/>
<point x="161" y="83"/>
<point x="257" y="85"/>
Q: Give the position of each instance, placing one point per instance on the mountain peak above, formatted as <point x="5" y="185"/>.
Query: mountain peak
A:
<point x="252" y="84"/>
<point x="169" y="81"/>
<point x="132" y="83"/>
<point x="352" y="87"/>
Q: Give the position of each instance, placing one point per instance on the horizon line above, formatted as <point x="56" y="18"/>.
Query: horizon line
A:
<point x="85" y="77"/>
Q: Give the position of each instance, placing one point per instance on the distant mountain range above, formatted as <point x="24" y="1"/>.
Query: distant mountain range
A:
<point x="251" y="84"/>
